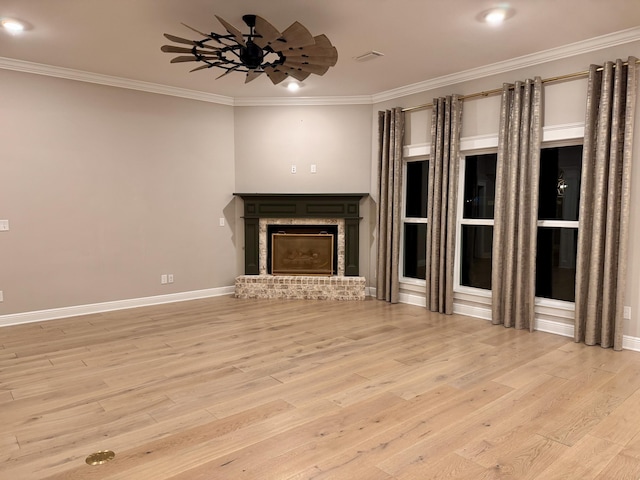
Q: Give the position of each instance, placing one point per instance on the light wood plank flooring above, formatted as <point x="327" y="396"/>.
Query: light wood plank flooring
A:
<point x="268" y="389"/>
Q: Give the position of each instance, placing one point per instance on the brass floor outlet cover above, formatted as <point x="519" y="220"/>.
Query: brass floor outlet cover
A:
<point x="98" y="458"/>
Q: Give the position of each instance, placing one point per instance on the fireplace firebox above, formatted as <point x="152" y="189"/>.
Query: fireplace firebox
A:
<point x="302" y="249"/>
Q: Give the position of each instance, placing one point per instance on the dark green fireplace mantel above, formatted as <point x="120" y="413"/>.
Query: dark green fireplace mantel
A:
<point x="301" y="205"/>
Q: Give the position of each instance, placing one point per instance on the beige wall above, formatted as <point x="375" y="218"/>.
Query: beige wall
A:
<point x="106" y="189"/>
<point x="564" y="104"/>
<point x="337" y="139"/>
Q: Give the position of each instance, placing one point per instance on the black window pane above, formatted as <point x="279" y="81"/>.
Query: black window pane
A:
<point x="477" y="242"/>
<point x="479" y="186"/>
<point x="415" y="250"/>
<point x="560" y="170"/>
<point x="556" y="263"/>
<point x="416" y="184"/>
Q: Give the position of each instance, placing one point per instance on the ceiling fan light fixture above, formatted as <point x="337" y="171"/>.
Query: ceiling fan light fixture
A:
<point x="293" y="86"/>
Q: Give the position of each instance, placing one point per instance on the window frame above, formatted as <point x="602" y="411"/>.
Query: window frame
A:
<point x="404" y="220"/>
<point x="460" y="221"/>
<point x="574" y="224"/>
<point x="553" y="305"/>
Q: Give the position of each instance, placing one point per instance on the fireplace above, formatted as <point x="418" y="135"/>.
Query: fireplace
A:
<point x="302" y="249"/>
<point x="318" y="258"/>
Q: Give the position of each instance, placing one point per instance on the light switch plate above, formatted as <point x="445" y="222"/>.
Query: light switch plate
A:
<point x="4" y="225"/>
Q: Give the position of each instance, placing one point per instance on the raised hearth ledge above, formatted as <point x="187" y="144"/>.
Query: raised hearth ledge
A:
<point x="300" y="287"/>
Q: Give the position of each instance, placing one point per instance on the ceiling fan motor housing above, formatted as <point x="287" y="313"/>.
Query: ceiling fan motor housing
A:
<point x="251" y="55"/>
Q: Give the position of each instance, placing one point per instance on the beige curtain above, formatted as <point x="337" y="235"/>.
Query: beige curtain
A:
<point x="446" y="120"/>
<point x="390" y="136"/>
<point x="513" y="279"/>
<point x="604" y="204"/>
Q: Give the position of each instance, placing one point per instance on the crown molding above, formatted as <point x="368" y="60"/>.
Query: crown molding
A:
<point x="111" y="81"/>
<point x="597" y="43"/>
<point x="586" y="46"/>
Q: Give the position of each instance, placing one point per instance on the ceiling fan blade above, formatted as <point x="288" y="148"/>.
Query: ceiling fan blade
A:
<point x="229" y="71"/>
<point x="172" y="49"/>
<point x="316" y="69"/>
<point x="201" y="67"/>
<point x="323" y="41"/>
<point x="294" y="37"/>
<point x="252" y="75"/>
<point x="191" y="59"/>
<point x="208" y="65"/>
<point x="184" y="59"/>
<point x="186" y="41"/>
<point x="295" y="73"/>
<point x="197" y="31"/>
<point x="233" y="31"/>
<point x="321" y="61"/>
<point x="173" y="38"/>
<point x="329" y="55"/>
<point x="276" y="76"/>
<point x="268" y="33"/>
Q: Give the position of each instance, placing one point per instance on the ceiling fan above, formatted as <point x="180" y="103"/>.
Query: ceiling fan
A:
<point x="293" y="53"/>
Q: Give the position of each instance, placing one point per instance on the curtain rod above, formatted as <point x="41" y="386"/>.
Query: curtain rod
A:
<point x="495" y="91"/>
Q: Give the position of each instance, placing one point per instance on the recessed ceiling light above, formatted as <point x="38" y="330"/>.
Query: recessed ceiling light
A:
<point x="497" y="15"/>
<point x="11" y="25"/>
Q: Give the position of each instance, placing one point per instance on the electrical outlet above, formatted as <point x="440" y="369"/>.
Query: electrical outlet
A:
<point x="170" y="278"/>
<point x="627" y="313"/>
<point x="313" y="169"/>
<point x="1" y="296"/>
<point x="163" y="279"/>
<point x="293" y="169"/>
<point x="221" y="223"/>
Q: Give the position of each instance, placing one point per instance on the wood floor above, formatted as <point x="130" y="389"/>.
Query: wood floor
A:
<point x="264" y="389"/>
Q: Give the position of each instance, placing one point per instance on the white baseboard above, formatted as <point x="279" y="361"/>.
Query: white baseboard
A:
<point x="418" y="300"/>
<point x="557" y="328"/>
<point x="549" y="326"/>
<point x="631" y="343"/>
<point x="44" y="315"/>
<point x="477" y="312"/>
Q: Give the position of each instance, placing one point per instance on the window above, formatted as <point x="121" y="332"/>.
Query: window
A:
<point x="558" y="207"/>
<point x="414" y="219"/>
<point x="476" y="229"/>
<point x="557" y="236"/>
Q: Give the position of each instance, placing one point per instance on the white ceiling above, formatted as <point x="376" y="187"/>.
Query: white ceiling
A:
<point x="421" y="39"/>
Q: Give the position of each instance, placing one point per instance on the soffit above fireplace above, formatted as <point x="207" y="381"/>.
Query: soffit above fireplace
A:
<point x="301" y="205"/>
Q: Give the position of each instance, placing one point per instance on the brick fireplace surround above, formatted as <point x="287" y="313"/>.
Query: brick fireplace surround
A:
<point x="262" y="210"/>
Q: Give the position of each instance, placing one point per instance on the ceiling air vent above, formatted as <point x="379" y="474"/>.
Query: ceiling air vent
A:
<point x="368" y="56"/>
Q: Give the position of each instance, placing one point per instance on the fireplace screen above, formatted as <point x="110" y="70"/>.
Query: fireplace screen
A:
<point x="302" y="254"/>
